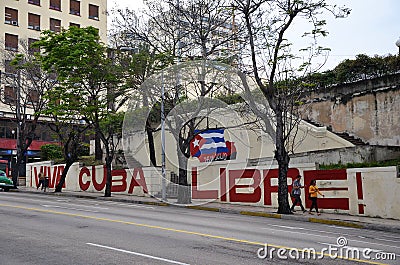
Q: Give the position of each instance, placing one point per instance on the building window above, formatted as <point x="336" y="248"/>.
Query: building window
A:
<point x="75" y="7"/>
<point x="93" y="12"/>
<point x="55" y="25"/>
<point x="74" y="25"/>
<point x="34" y="2"/>
<point x="6" y="132"/>
<point x="9" y="94"/>
<point x="31" y="49"/>
<point x="11" y="16"/>
<point x="8" y="68"/>
<point x="33" y="21"/>
<point x="11" y="42"/>
<point x="55" y="5"/>
<point x="33" y="96"/>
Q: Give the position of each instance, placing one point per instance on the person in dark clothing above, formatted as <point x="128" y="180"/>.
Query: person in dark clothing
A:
<point x="41" y="181"/>
<point x="296" y="193"/>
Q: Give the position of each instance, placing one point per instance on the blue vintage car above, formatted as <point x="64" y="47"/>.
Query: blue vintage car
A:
<point x="5" y="183"/>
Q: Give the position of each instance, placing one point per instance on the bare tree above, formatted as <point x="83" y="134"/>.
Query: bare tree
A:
<point x="24" y="89"/>
<point x="276" y="69"/>
<point x="187" y="30"/>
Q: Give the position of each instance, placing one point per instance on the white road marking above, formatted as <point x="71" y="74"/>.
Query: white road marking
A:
<point x="289" y="227"/>
<point x="138" y="254"/>
<point x="88" y="206"/>
<point x="128" y="205"/>
<point x="68" y="208"/>
<point x="343" y="227"/>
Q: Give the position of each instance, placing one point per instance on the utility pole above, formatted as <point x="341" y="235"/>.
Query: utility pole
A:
<point x="163" y="173"/>
<point x="18" y="118"/>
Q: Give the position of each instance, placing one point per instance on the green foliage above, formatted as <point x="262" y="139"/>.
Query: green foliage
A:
<point x="361" y="68"/>
<point x="230" y="98"/>
<point x="386" y="163"/>
<point x="112" y="123"/>
<point x="90" y="161"/>
<point x="50" y="152"/>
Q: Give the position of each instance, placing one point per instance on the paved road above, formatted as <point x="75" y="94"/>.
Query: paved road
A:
<point x="39" y="229"/>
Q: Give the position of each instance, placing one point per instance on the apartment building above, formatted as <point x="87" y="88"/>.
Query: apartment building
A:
<point x="23" y="21"/>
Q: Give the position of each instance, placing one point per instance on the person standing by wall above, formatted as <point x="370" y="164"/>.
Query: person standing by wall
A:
<point x="45" y="183"/>
<point x="296" y="193"/>
<point x="314" y="191"/>
<point x="41" y="181"/>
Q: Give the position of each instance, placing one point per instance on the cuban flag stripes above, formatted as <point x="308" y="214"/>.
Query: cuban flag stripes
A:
<point x="210" y="145"/>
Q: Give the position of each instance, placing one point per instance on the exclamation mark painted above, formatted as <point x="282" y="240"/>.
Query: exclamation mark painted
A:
<point x="360" y="193"/>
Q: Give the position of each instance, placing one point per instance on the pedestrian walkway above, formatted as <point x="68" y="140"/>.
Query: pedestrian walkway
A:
<point x="380" y="224"/>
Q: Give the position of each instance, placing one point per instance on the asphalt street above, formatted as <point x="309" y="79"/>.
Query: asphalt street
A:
<point x="44" y="229"/>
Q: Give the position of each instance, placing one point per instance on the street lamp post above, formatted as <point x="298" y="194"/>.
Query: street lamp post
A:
<point x="19" y="123"/>
<point x="398" y="45"/>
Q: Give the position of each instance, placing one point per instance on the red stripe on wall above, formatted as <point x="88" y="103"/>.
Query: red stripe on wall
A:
<point x="334" y="174"/>
<point x="331" y="203"/>
<point x="327" y="189"/>
<point x="222" y="175"/>
<point x="359" y="186"/>
<point x="361" y="208"/>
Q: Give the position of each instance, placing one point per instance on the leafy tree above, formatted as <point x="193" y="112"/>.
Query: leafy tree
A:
<point x="89" y="84"/>
<point x="50" y="152"/>
<point x="64" y="108"/>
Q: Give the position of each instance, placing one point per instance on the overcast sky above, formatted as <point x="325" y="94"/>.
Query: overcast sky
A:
<point x="372" y="28"/>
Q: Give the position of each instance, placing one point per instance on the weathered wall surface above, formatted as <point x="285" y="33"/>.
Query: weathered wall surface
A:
<point x="369" y="110"/>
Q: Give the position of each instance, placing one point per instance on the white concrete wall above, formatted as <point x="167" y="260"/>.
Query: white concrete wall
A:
<point x="366" y="192"/>
<point x="380" y="191"/>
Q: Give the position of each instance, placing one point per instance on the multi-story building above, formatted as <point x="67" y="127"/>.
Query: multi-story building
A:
<point x="24" y="20"/>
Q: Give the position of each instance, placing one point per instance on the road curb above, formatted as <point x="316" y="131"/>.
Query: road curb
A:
<point x="335" y="222"/>
<point x="203" y="208"/>
<point x="261" y="214"/>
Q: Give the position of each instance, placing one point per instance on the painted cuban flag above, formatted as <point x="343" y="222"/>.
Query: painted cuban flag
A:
<point x="210" y="145"/>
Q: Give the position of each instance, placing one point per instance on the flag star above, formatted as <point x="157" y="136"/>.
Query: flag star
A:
<point x="196" y="142"/>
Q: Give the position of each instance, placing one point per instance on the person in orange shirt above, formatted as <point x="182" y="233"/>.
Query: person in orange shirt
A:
<point x="313" y="191"/>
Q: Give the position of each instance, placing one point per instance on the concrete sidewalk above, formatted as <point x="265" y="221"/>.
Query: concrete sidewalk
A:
<point x="380" y="224"/>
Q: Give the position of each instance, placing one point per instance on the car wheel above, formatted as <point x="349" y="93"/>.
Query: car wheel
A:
<point x="6" y="189"/>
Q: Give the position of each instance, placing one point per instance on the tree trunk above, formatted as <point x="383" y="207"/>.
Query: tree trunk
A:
<point x="107" y="192"/>
<point x="60" y="184"/>
<point x="15" y="171"/>
<point x="282" y="156"/>
<point x="152" y="149"/>
<point x="184" y="196"/>
<point x="98" y="152"/>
